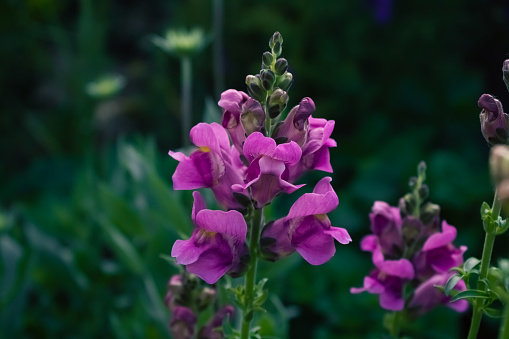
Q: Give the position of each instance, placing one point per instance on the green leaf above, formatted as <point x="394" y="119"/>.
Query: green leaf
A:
<point x="485" y="209"/>
<point x="471" y="263"/>
<point x="471" y="294"/>
<point x="451" y="283"/>
<point x="492" y="312"/>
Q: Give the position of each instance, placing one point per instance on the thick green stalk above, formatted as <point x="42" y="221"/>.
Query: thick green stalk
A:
<point x="489" y="241"/>
<point x="186" y="84"/>
<point x="396" y="324"/>
<point x="254" y="237"/>
<point x="504" y="327"/>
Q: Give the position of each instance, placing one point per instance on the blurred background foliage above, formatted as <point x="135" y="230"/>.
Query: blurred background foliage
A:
<point x="86" y="200"/>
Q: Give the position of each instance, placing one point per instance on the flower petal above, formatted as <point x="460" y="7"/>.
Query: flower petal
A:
<point x="312" y="243"/>
<point x="231" y="223"/>
<point x="257" y="144"/>
<point x="186" y="251"/>
<point x="289" y="153"/>
<point x="198" y="205"/>
<point x="312" y="203"/>
<point x="187" y="176"/>
<point x="211" y="265"/>
<point x="340" y="234"/>
<point x="436" y="240"/>
<point x="204" y="134"/>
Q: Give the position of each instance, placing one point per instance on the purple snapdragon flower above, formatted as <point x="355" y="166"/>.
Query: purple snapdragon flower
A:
<point x="210" y="165"/>
<point x="267" y="173"/>
<point x="494" y="122"/>
<point x="426" y="296"/>
<point x="217" y="245"/>
<point x="388" y="278"/>
<point x="306" y="229"/>
<point x="231" y="102"/>
<point x="296" y="125"/>
<point x="315" y="151"/>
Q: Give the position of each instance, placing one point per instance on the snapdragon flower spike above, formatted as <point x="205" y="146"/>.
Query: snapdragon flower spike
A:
<point x="231" y="102"/>
<point x="210" y="165"/>
<point x="217" y="245"/>
<point x="438" y="254"/>
<point x="267" y="173"/>
<point x="183" y="321"/>
<point x="315" y="151"/>
<point x="306" y="229"/>
<point x="426" y="296"/>
<point x="387" y="279"/>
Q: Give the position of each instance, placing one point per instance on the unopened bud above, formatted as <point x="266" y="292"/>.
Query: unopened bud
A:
<point x="505" y="72"/>
<point x="428" y="212"/>
<point x="254" y="87"/>
<point x="411" y="229"/>
<point x="281" y="66"/>
<point x="409" y="203"/>
<point x="205" y="298"/>
<point x="494" y="122"/>
<point x="277" y="103"/>
<point x="423" y="192"/>
<point x="252" y="116"/>
<point x="268" y="79"/>
<point x="285" y="81"/>
<point x="267" y="59"/>
<point x="275" y="43"/>
<point x="421" y="170"/>
<point x="499" y="163"/>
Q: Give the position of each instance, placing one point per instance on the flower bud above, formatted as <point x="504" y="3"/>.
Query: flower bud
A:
<point x="268" y="79"/>
<point x="428" y="212"/>
<point x="252" y="116"/>
<point x="281" y="66"/>
<point x="285" y="81"/>
<point x="277" y="103"/>
<point x="267" y="60"/>
<point x="205" y="298"/>
<point x="275" y="43"/>
<point x="182" y="323"/>
<point x="505" y="72"/>
<point x="410" y="229"/>
<point x="499" y="163"/>
<point x="494" y="122"/>
<point x="254" y="87"/>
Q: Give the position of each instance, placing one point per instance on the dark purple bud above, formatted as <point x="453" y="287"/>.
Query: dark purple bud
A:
<point x="267" y="60"/>
<point x="268" y="79"/>
<point x="281" y="66"/>
<point x="182" y="323"/>
<point x="211" y="331"/>
<point x="285" y="81"/>
<point x="252" y="116"/>
<point x="305" y="109"/>
<point x="275" y="43"/>
<point x="277" y="103"/>
<point x="505" y="72"/>
<point x="254" y="87"/>
<point x="494" y="122"/>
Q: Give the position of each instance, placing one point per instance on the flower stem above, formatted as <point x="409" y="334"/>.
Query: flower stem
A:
<point x="247" y="314"/>
<point x="186" y="84"/>
<point x="504" y="327"/>
<point x="394" y="330"/>
<point x="489" y="241"/>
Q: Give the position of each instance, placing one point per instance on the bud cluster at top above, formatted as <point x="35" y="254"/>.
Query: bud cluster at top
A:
<point x="412" y="251"/>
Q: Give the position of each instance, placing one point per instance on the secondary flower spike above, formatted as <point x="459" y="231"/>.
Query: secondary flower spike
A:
<point x="306" y="229"/>
<point x="217" y="245"/>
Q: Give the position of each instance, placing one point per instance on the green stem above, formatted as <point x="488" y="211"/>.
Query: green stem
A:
<point x="504" y="327"/>
<point x="254" y="237"/>
<point x="186" y="78"/>
<point x="396" y="324"/>
<point x="489" y="241"/>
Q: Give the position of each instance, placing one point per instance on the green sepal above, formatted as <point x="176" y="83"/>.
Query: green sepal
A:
<point x="492" y="312"/>
<point x="451" y="283"/>
<point x="470" y="295"/>
<point x="471" y="263"/>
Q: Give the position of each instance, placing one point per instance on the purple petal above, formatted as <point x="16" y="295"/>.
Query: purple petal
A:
<point x="186" y="251"/>
<point x="257" y="144"/>
<point x="221" y="137"/>
<point x="312" y="243"/>
<point x="179" y="156"/>
<point x="436" y="240"/>
<point x="211" y="265"/>
<point x="370" y="285"/>
<point x="198" y="205"/>
<point x="391" y="302"/>
<point x="401" y="268"/>
<point x="340" y="234"/>
<point x="369" y="243"/>
<point x="312" y="203"/>
<point x="204" y="135"/>
<point x="187" y="176"/>
<point x="320" y="160"/>
<point x="289" y="153"/>
<point x="323" y="186"/>
<point x="231" y="223"/>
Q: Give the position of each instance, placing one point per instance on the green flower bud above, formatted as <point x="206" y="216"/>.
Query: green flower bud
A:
<point x="499" y="163"/>
<point x="268" y="79"/>
<point x="276" y="103"/>
<point x="428" y="212"/>
<point x="254" y="88"/>
<point x="276" y="38"/>
<point x="267" y="59"/>
<point x="281" y="66"/>
<point x="423" y="192"/>
<point x="285" y="81"/>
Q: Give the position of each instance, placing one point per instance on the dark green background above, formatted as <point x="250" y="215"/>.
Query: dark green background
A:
<point x="86" y="205"/>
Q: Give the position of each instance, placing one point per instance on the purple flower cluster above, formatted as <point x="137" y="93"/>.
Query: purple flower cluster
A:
<point x="408" y="252"/>
<point x="185" y="299"/>
<point x="244" y="167"/>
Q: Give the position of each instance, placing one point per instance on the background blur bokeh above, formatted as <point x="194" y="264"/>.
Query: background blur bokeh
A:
<point x="86" y="200"/>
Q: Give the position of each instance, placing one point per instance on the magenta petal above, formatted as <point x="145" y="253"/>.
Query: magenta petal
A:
<point x="315" y="246"/>
<point x="211" y="265"/>
<point x="369" y="243"/>
<point x="257" y="144"/>
<point x="436" y="240"/>
<point x="340" y="234"/>
<point x="198" y="205"/>
<point x="271" y="166"/>
<point x="391" y="302"/>
<point x="289" y="152"/>
<point x="401" y="268"/>
<point x="186" y="251"/>
<point x="179" y="156"/>
<point x="204" y="135"/>
<point x="323" y="186"/>
<point x="370" y="285"/>
<point x="321" y="160"/>
<point x="221" y="136"/>
<point x="231" y="223"/>
<point x="312" y="203"/>
<point x="187" y="176"/>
